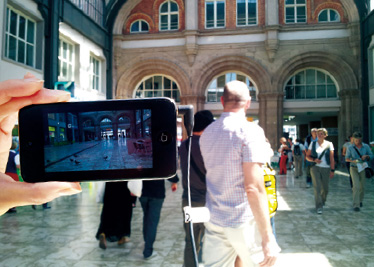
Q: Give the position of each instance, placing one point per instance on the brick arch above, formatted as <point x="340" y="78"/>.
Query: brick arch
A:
<point x="343" y="75"/>
<point x="330" y="5"/>
<point x="138" y="16"/>
<point x="132" y="76"/>
<point x="254" y="70"/>
<point x="181" y="11"/>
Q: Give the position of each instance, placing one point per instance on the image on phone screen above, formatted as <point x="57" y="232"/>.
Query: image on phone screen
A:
<point x="98" y="140"/>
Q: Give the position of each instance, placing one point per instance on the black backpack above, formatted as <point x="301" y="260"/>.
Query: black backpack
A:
<point x="296" y="150"/>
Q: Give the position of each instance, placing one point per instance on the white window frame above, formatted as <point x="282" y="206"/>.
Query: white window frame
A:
<point x="215" y="14"/>
<point x="95" y="74"/>
<point x="139" y="21"/>
<point x="219" y="90"/>
<point x="328" y="15"/>
<point x="8" y="34"/>
<point x="246" y="14"/>
<point x="62" y="60"/>
<point x="169" y="13"/>
<point x="295" y="6"/>
<point x="140" y="93"/>
<point x="305" y="85"/>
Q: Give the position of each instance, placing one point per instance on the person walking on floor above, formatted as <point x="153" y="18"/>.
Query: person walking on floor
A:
<point x="358" y="154"/>
<point x="234" y="151"/>
<point x="308" y="140"/>
<point x="321" y="152"/>
<point x="297" y="153"/>
<point x="197" y="182"/>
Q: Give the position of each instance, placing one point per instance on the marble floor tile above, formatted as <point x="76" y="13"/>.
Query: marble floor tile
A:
<point x="65" y="234"/>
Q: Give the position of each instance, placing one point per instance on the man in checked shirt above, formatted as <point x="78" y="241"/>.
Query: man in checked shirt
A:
<point x="234" y="150"/>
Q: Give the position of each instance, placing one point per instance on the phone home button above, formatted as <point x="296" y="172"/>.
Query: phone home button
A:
<point x="165" y="138"/>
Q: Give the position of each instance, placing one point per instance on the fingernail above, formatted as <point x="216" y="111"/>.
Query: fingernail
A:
<point x="34" y="80"/>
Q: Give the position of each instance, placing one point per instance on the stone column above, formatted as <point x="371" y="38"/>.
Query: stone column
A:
<point x="272" y="28"/>
<point x="350" y="116"/>
<point x="271" y="116"/>
<point x="191" y="17"/>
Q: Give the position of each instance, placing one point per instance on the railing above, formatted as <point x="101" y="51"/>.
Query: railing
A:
<point x="92" y="8"/>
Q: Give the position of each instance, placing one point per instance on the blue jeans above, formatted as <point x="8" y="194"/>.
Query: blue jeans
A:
<point x="151" y="216"/>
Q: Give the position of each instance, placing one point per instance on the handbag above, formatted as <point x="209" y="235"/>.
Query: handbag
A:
<point x="369" y="172"/>
<point x="270" y="188"/>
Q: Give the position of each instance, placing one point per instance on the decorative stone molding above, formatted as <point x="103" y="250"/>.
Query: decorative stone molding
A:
<point x="191" y="46"/>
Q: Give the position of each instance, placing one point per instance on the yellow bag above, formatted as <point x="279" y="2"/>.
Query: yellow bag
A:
<point x="271" y="188"/>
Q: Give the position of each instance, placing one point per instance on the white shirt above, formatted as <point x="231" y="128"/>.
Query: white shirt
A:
<point x="319" y="150"/>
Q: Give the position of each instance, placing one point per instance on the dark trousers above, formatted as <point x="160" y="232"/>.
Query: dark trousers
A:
<point x="151" y="216"/>
<point x="198" y="231"/>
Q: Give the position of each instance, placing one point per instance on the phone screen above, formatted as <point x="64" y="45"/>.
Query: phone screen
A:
<point x="98" y="140"/>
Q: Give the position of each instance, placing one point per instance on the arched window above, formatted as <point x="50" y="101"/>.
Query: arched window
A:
<point x="139" y="26"/>
<point x="310" y="84"/>
<point x="215" y="88"/>
<point x="169" y="16"/>
<point x="158" y="86"/>
<point x="328" y="15"/>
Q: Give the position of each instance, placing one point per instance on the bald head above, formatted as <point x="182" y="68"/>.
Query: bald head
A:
<point x="235" y="95"/>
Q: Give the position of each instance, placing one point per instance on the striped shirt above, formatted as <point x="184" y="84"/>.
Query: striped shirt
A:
<point x="225" y="145"/>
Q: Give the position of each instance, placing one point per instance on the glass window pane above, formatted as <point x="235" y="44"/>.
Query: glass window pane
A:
<point x="64" y="69"/>
<point x="300" y="78"/>
<point x="140" y="86"/>
<point x="290" y="15"/>
<point x="321" y="77"/>
<point x="230" y="77"/>
<point x="173" y="7"/>
<point x="70" y="53"/>
<point x="241" y="16"/>
<point x="323" y="16"/>
<point x="334" y="16"/>
<point x="299" y="92"/>
<point x="167" y="93"/>
<point x="310" y="91"/>
<point x="209" y="14"/>
<point x="310" y="77"/>
<point x="176" y="95"/>
<point x="329" y="79"/>
<point x="241" y="78"/>
<point x="164" y="22"/>
<point x="289" y="92"/>
<point x="64" y="50"/>
<point x="157" y="82"/>
<point x="167" y="83"/>
<point x="164" y="8"/>
<point x="12" y="48"/>
<point x="301" y="16"/>
<point x="22" y="27"/>
<point x="148" y="84"/>
<point x="220" y="14"/>
<point x="290" y="2"/>
<point x="135" y="27"/>
<point x="30" y="55"/>
<point x="321" y="91"/>
<point x="221" y="81"/>
<point x="13" y="23"/>
<point x="173" y="22"/>
<point x="21" y="51"/>
<point x="30" y="31"/>
<point x="148" y="94"/>
<point x="300" y="1"/>
<point x="175" y="85"/>
<point x="212" y="96"/>
<point x="144" y="26"/>
<point x="6" y="45"/>
<point x="252" y="12"/>
<point x="157" y="93"/>
<point x="331" y="91"/>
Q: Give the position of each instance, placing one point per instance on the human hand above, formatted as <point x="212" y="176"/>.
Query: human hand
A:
<point x="14" y="194"/>
<point x="318" y="161"/>
<point x="16" y="94"/>
<point x="174" y="187"/>
<point x="332" y="175"/>
<point x="271" y="251"/>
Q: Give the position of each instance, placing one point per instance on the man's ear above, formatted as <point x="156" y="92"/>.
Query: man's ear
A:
<point x="248" y="104"/>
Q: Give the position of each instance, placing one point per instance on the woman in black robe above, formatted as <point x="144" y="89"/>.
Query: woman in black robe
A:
<point x="115" y="224"/>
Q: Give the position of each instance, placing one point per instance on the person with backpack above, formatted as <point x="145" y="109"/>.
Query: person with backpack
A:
<point x="321" y="153"/>
<point x="298" y="150"/>
<point x="308" y="140"/>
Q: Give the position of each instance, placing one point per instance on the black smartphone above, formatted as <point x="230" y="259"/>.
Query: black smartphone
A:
<point x="98" y="140"/>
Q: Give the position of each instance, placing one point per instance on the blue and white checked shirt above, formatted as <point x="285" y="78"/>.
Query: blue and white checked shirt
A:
<point x="225" y="145"/>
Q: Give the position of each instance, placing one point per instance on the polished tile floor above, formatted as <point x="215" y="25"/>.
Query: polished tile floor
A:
<point x="64" y="234"/>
